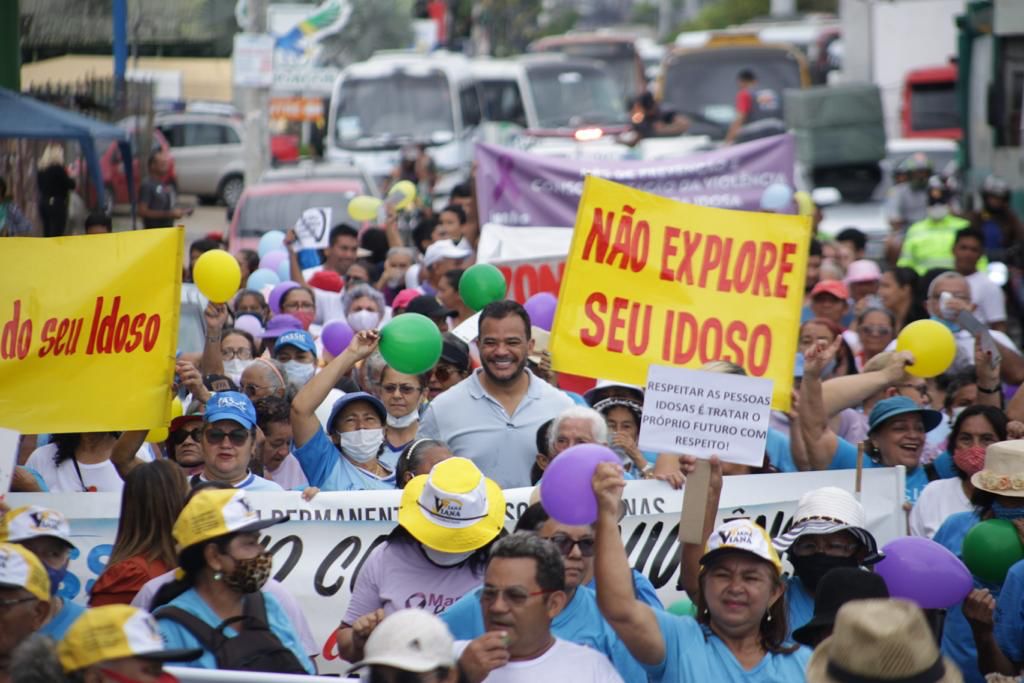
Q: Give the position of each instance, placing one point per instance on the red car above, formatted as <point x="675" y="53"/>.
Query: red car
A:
<point x="115" y="184"/>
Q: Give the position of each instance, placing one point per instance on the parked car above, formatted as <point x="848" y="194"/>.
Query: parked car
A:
<point x="209" y="154"/>
<point x="277" y="205"/>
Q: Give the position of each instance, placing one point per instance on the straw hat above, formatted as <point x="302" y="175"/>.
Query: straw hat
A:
<point x="1003" y="473"/>
<point x="881" y="640"/>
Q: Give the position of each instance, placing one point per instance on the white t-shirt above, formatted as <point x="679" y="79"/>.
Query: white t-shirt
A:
<point x="939" y="499"/>
<point x="988" y="298"/>
<point x="101" y="476"/>
<point x="564" y="661"/>
<point x="328" y="306"/>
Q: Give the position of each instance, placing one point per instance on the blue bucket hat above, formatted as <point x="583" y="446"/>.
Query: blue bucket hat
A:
<point x="901" y="405"/>
<point x="340" y="404"/>
<point x="300" y="339"/>
<point x="230" y="405"/>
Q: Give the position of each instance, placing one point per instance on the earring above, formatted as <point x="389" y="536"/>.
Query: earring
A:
<point x="769" y="617"/>
<point x="217" y="576"/>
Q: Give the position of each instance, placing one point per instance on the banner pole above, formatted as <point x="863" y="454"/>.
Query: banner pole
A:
<point x="860" y="468"/>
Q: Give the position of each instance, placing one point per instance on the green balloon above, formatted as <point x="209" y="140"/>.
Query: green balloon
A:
<point x="480" y="285"/>
<point x="990" y="548"/>
<point x="410" y="343"/>
<point x="683" y="608"/>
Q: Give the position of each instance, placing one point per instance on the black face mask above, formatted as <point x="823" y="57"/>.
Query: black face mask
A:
<point x="811" y="568"/>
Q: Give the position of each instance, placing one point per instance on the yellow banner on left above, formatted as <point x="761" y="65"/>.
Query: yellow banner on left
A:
<point x="89" y="330"/>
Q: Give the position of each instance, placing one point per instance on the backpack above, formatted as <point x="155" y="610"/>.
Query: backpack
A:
<point x="255" y="648"/>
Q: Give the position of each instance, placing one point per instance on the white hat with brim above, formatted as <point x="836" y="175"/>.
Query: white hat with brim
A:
<point x="590" y="396"/>
<point x="828" y="510"/>
<point x="409" y="640"/>
<point x="1003" y="474"/>
<point x="880" y="640"/>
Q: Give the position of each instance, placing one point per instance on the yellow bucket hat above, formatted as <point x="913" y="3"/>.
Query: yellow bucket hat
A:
<point x="217" y="512"/>
<point x="20" y="568"/>
<point x="103" y="634"/>
<point x="454" y="509"/>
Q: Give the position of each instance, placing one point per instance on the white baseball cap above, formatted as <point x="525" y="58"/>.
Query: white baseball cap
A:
<point x="743" y="535"/>
<point x="34" y="521"/>
<point x="443" y="249"/>
<point x="410" y="640"/>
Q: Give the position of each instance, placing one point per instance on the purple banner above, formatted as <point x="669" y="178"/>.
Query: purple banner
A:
<point x="522" y="189"/>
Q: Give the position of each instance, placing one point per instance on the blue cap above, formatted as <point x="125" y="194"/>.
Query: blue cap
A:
<point x="340" y="404"/>
<point x="901" y="405"/>
<point x="230" y="405"/>
<point x="300" y="339"/>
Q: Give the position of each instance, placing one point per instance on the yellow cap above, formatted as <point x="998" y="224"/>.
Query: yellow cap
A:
<point x="217" y="512"/>
<point x="20" y="568"/>
<point x="103" y="634"/>
<point x="743" y="535"/>
<point x="34" y="521"/>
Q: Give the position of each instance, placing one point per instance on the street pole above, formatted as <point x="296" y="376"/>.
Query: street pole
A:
<point x="254" y="102"/>
<point x="10" y="45"/>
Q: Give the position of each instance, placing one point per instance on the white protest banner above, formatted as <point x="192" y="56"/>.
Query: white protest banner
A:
<point x="701" y="413"/>
<point x="318" y="554"/>
<point x="312" y="230"/>
<point x="468" y="329"/>
<point x="531" y="259"/>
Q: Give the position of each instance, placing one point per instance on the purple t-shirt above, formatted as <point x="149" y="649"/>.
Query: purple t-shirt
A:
<point x="398" y="575"/>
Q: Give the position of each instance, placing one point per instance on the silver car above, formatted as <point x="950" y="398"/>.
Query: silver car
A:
<point x="208" y="154"/>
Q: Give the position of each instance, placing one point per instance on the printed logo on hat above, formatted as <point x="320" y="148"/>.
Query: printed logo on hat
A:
<point x="450" y="508"/>
<point x="230" y="402"/>
<point x="46" y="519"/>
<point x="736" y="536"/>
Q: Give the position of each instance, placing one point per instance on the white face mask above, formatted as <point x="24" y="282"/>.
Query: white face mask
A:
<point x="298" y="373"/>
<point x="361" y="445"/>
<point x="445" y="559"/>
<point x="235" y="368"/>
<point x="363" y="320"/>
<point x="404" y="421"/>
<point x="938" y="211"/>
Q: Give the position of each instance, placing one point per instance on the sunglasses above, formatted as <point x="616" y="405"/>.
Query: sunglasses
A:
<point x="216" y="436"/>
<point x="178" y="437"/>
<point x="565" y="545"/>
<point x="405" y="389"/>
<point x="876" y="330"/>
<point x="443" y="373"/>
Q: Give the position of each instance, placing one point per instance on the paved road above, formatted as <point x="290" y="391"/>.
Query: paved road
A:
<point x="205" y="219"/>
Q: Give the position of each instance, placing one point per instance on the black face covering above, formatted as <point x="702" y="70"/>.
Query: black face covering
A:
<point x="811" y="568"/>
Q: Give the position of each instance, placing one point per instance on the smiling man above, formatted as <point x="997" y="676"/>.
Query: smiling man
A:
<point x="492" y="416"/>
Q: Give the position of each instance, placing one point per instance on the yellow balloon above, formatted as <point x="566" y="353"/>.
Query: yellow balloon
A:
<point x="364" y="207"/>
<point x="804" y="203"/>
<point x="158" y="435"/>
<point x="405" y="189"/>
<point x="217" y="275"/>
<point x="176" y="408"/>
<point x="932" y="344"/>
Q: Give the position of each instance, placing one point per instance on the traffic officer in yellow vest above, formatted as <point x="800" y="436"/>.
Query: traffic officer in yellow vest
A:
<point x="929" y="242"/>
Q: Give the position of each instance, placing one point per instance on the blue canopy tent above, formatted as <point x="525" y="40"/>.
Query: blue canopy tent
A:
<point x="24" y="117"/>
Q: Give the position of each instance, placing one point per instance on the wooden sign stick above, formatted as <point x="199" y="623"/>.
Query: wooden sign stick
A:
<point x="860" y="467"/>
<point x="695" y="503"/>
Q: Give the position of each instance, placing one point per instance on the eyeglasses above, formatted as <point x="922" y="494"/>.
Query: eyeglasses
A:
<point x="876" y="330"/>
<point x="919" y="388"/>
<point x="215" y="437"/>
<point x="516" y="597"/>
<point x="251" y="390"/>
<point x="565" y="544"/>
<point x="443" y="373"/>
<point x="804" y="548"/>
<point x="5" y="604"/>
<point x="299" y="306"/>
<point x="178" y="437"/>
<point x="244" y="353"/>
<point x="406" y="389"/>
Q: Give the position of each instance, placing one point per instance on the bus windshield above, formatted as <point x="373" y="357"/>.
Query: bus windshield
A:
<point x="933" y="106"/>
<point x="620" y="59"/>
<point x="571" y="96"/>
<point x="702" y="83"/>
<point x="388" y="111"/>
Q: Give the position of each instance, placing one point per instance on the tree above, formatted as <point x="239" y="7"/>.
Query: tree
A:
<point x="509" y="24"/>
<point x="373" y="26"/>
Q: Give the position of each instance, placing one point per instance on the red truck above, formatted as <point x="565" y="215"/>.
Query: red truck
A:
<point x="929" y="108"/>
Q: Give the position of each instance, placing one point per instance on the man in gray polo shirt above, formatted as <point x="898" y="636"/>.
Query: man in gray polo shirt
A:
<point x="492" y="416"/>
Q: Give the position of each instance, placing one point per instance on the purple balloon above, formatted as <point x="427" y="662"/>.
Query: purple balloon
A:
<point x="336" y="336"/>
<point x="274" y="300"/>
<point x="251" y="324"/>
<point x="566" y="490"/>
<point x="541" y="307"/>
<point x="922" y="571"/>
<point x="273" y="259"/>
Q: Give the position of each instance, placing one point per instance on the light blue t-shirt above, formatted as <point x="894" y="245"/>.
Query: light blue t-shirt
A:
<point x="799" y="604"/>
<point x="642" y="587"/>
<point x="957" y="637"/>
<point x="328" y="470"/>
<point x="694" y="654"/>
<point x="845" y="458"/>
<point x="62" y="620"/>
<point x="476" y="426"/>
<point x="177" y="636"/>
<point x="389" y="457"/>
<point x="778" y="449"/>
<point x="580" y="622"/>
<point x="1009" y="618"/>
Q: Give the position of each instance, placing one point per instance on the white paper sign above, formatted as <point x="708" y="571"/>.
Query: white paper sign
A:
<point x="467" y="330"/>
<point x="8" y="458"/>
<point x="693" y="412"/>
<point x="313" y="229"/>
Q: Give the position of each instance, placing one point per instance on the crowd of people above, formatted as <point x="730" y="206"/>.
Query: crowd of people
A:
<point x="267" y="407"/>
